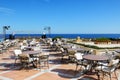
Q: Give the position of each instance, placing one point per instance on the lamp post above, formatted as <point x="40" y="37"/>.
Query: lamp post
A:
<point x="4" y="31"/>
<point x="49" y="30"/>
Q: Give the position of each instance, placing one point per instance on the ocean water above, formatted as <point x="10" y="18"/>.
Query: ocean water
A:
<point x="67" y="35"/>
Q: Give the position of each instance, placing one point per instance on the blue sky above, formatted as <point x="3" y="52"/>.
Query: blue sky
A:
<point x="63" y="16"/>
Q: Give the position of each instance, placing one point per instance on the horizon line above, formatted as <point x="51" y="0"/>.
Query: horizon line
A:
<point x="64" y="33"/>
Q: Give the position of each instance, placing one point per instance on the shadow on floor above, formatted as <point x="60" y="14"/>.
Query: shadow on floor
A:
<point x="66" y="73"/>
<point x="87" y="78"/>
<point x="70" y="73"/>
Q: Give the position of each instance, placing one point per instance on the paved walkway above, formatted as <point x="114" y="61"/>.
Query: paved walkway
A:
<point x="57" y="70"/>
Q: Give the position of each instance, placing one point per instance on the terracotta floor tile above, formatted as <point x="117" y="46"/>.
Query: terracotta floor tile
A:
<point x="22" y="74"/>
<point x="64" y="71"/>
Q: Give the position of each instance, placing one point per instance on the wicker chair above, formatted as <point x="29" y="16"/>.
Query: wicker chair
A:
<point x="43" y="60"/>
<point x="1" y="51"/>
<point x="25" y="60"/>
<point x="109" y="69"/>
<point x="64" y="52"/>
<point x="71" y="54"/>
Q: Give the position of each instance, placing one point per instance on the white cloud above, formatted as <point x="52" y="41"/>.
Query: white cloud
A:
<point x="6" y="11"/>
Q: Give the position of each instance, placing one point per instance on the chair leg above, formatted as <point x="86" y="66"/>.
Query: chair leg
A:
<point x="110" y="76"/>
<point x="39" y="65"/>
<point x="76" y="67"/>
<point x="27" y="66"/>
<point x="62" y="58"/>
<point x="98" y="75"/>
<point x="103" y="75"/>
<point x="15" y="61"/>
<point x="80" y="67"/>
<point x="44" y="63"/>
<point x="48" y="64"/>
<point x="115" y="75"/>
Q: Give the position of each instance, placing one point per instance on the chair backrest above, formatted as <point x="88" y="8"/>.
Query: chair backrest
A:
<point x="38" y="45"/>
<point x="23" y="47"/>
<point x="36" y="48"/>
<point x="114" y="62"/>
<point x="74" y="47"/>
<point x="46" y="53"/>
<point x="91" y="51"/>
<point x="24" y="58"/>
<point x="62" y="50"/>
<point x="43" y="56"/>
<point x="51" y="43"/>
<point x="17" y="52"/>
<point x="78" y="56"/>
<point x="106" y="50"/>
<point x="71" y="52"/>
<point x="113" y="65"/>
<point x="110" y="53"/>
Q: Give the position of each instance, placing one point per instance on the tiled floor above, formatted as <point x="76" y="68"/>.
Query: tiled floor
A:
<point x="57" y="70"/>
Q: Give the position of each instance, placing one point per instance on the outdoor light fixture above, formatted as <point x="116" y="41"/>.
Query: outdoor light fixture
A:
<point x="4" y="31"/>
<point x="49" y="30"/>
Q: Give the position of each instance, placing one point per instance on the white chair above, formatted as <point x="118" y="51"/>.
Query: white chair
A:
<point x="78" y="60"/>
<point x="33" y="43"/>
<point x="23" y="48"/>
<point x="36" y="48"/>
<point x="74" y="47"/>
<point x="17" y="52"/>
<point x="78" y="56"/>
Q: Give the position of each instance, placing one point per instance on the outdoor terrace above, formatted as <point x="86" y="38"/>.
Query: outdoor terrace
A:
<point x="57" y="70"/>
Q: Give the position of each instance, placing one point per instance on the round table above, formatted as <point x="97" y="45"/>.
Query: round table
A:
<point x="118" y="51"/>
<point x="93" y="61"/>
<point x="95" y="57"/>
<point x="32" y="52"/>
<point x="32" y="55"/>
<point x="80" y="50"/>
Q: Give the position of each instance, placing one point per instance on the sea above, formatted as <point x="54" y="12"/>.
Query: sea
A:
<point x="65" y="35"/>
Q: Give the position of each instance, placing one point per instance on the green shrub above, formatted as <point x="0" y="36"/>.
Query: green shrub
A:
<point x="91" y="46"/>
<point x="57" y="37"/>
<point x="102" y="39"/>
